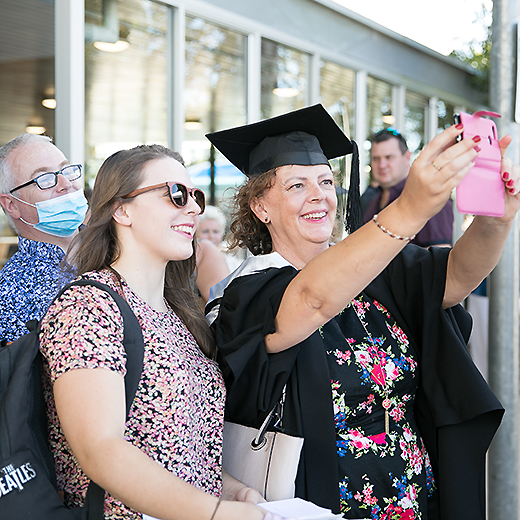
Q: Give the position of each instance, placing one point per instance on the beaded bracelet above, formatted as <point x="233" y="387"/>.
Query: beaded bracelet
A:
<point x="389" y="233"/>
<point x="215" y="510"/>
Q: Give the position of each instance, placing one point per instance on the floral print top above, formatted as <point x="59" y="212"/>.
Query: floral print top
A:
<point x="382" y="476"/>
<point x="177" y="414"/>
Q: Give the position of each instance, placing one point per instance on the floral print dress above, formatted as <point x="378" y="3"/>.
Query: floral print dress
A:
<point x="177" y="414"/>
<point x="383" y="475"/>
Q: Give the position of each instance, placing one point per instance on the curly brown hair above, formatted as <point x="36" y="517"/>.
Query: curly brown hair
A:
<point x="247" y="230"/>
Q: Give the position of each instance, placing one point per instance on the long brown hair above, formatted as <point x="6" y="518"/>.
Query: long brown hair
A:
<point x="97" y="247"/>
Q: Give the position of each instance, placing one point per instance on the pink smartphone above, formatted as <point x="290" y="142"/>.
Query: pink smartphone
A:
<point x="482" y="190"/>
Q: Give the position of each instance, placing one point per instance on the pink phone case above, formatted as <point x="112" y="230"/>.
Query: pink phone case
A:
<point x="482" y="190"/>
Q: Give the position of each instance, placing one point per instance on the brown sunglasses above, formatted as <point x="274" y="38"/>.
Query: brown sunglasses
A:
<point x="178" y="194"/>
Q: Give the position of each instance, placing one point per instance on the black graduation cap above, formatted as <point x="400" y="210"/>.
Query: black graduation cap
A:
<point x="308" y="136"/>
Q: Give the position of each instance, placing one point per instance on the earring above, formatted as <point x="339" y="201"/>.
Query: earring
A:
<point x="266" y="220"/>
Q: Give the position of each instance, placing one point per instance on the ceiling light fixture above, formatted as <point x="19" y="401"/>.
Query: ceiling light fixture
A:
<point x="49" y="103"/>
<point x="285" y="92"/>
<point x="192" y="124"/>
<point x="33" y="129"/>
<point x="120" y="45"/>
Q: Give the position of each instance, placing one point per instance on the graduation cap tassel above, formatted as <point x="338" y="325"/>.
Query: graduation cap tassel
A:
<point x="354" y="217"/>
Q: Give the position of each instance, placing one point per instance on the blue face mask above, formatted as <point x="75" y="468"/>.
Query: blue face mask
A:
<point x="60" y="216"/>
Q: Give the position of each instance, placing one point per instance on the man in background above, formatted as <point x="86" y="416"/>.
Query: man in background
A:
<point x="42" y="197"/>
<point x="390" y="163"/>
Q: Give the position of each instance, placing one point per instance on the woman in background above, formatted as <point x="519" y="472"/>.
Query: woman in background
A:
<point x="212" y="226"/>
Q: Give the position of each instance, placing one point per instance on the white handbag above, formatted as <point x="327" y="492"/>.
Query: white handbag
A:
<point x="265" y="461"/>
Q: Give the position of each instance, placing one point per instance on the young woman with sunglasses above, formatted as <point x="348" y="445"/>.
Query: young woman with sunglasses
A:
<point x="165" y="460"/>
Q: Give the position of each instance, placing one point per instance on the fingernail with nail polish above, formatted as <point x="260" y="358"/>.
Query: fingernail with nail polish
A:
<point x="505" y="176"/>
<point x="476" y="138"/>
<point x="477" y="148"/>
<point x="510" y="184"/>
<point x="460" y="126"/>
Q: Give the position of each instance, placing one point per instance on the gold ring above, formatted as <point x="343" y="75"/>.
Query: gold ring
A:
<point x="436" y="166"/>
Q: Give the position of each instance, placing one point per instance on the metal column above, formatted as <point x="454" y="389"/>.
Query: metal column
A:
<point x="70" y="78"/>
<point x="504" y="359"/>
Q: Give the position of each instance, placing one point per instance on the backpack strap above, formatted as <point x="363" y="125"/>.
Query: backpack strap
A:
<point x="134" y="346"/>
<point x="132" y="340"/>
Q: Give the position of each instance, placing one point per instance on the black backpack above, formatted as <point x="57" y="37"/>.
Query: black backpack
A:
<point x="27" y="473"/>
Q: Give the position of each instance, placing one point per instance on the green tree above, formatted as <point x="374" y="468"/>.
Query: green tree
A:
<point x="477" y="54"/>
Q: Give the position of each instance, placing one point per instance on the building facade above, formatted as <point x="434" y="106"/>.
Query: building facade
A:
<point x="101" y="75"/>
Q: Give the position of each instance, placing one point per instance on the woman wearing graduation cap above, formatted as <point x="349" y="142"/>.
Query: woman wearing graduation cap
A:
<point x="366" y="335"/>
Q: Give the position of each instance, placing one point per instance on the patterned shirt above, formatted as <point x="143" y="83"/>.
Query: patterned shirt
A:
<point x="29" y="281"/>
<point x="177" y="414"/>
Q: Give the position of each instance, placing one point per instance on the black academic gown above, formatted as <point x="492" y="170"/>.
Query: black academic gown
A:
<point x="455" y="409"/>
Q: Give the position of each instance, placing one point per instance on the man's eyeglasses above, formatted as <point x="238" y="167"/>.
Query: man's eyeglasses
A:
<point x="50" y="179"/>
<point x="178" y="194"/>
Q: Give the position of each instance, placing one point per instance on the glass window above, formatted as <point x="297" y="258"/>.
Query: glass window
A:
<point x="27" y="85"/>
<point x="126" y="85"/>
<point x="416" y="112"/>
<point x="26" y="69"/>
<point x="214" y="99"/>
<point x="380" y="114"/>
<point x="284" y="79"/>
<point x="337" y="84"/>
<point x="379" y="106"/>
<point x="445" y="112"/>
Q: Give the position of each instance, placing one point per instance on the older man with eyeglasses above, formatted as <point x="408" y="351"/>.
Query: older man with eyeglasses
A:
<point x="42" y="197"/>
<point x="390" y="162"/>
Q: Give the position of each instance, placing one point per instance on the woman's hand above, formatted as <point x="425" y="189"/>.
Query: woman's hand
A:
<point x="438" y="169"/>
<point x="477" y="252"/>
<point x="511" y="177"/>
<point x="247" y="494"/>
<point x="234" y="490"/>
<point x="243" y="511"/>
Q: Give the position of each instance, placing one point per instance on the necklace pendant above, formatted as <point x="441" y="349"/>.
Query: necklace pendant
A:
<point x="386" y="405"/>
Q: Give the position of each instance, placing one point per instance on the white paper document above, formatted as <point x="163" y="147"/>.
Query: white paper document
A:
<point x="293" y="508"/>
<point x="299" y="510"/>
